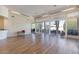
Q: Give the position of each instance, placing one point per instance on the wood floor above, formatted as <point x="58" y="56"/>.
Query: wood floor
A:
<point x="39" y="44"/>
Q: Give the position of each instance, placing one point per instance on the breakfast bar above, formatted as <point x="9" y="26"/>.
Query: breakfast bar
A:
<point x="3" y="34"/>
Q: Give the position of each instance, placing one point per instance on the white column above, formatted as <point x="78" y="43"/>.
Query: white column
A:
<point x="49" y="27"/>
<point x="66" y="27"/>
<point x="35" y="26"/>
<point x="44" y="27"/>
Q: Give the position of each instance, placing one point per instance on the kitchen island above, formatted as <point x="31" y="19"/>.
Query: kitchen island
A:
<point x="3" y="34"/>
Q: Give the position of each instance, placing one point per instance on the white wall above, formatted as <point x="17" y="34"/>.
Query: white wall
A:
<point x="3" y="11"/>
<point x="18" y="23"/>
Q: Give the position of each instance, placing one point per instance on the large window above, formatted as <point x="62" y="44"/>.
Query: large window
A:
<point x="61" y="25"/>
<point x="72" y="26"/>
<point x="33" y="26"/>
<point x="72" y="23"/>
<point x="47" y="24"/>
<point x="52" y="25"/>
<point x="43" y="26"/>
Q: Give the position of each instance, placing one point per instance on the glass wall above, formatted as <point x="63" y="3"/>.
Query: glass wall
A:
<point x="72" y="23"/>
<point x="52" y="25"/>
<point x="61" y="25"/>
<point x="57" y="26"/>
<point x="49" y="26"/>
<point x="38" y="27"/>
<point x="43" y="27"/>
<point x="72" y="26"/>
<point x="33" y="28"/>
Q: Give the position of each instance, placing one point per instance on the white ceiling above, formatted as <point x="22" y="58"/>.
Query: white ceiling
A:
<point x="35" y="10"/>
